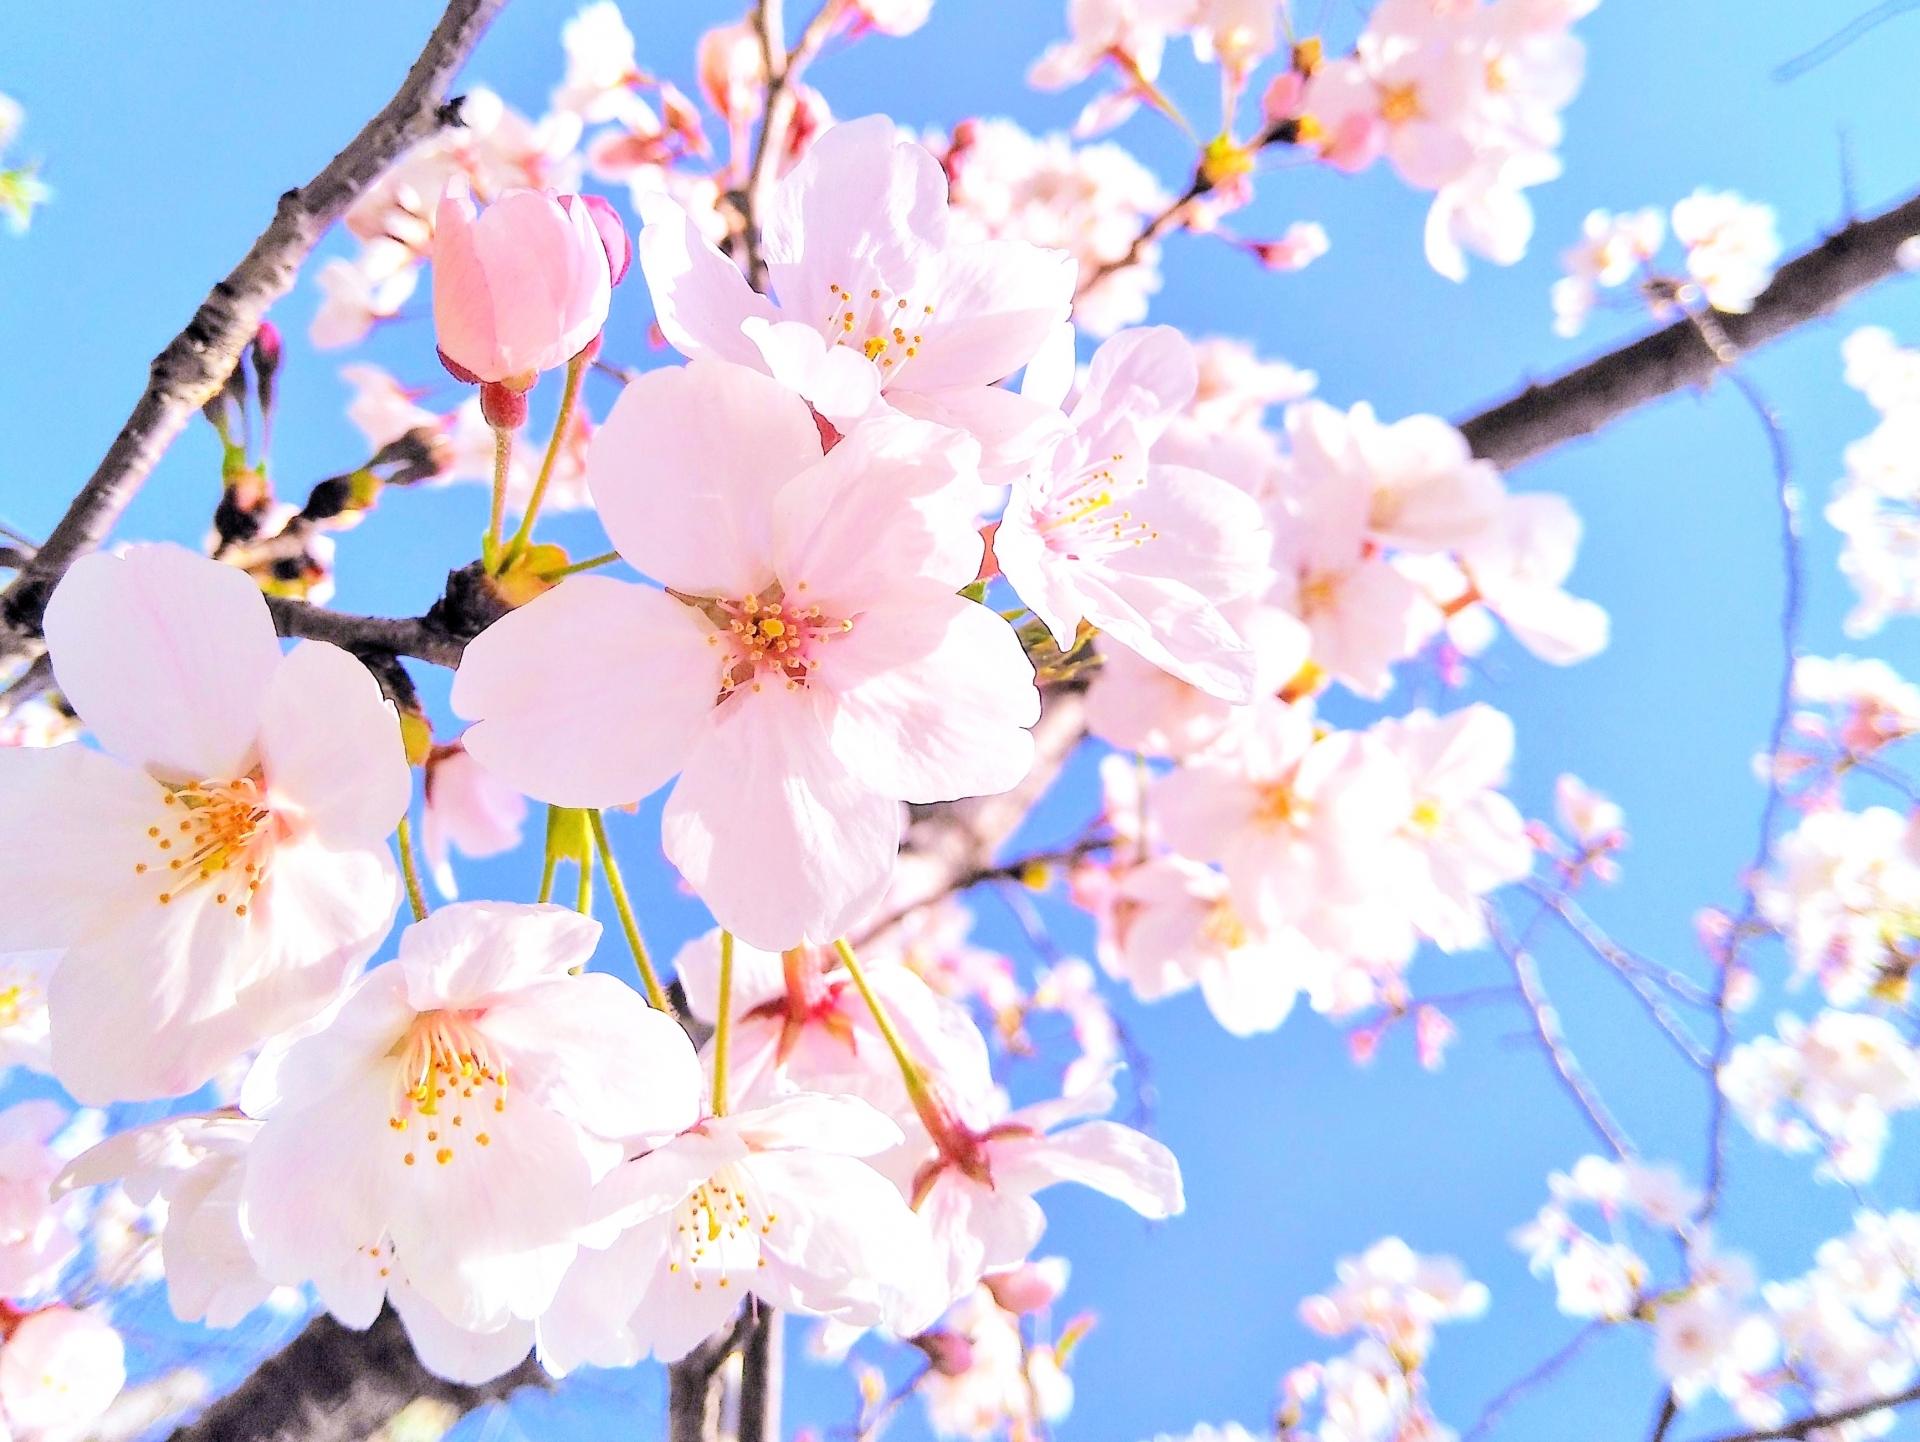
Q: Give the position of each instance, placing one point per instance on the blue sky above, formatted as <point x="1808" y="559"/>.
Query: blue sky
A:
<point x="167" y="131"/>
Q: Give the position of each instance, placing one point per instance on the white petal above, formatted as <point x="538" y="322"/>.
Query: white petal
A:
<point x="452" y="1352"/>
<point x="685" y="468"/>
<point x="166" y="656"/>
<point x="773" y="831"/>
<point x="839" y="383"/>
<point x="592" y="694"/>
<point x="995" y="303"/>
<point x="590" y="1048"/>
<point x="474" y="953"/>
<point x="933" y="697"/>
<point x="72" y="829"/>
<point x="1127" y="1165"/>
<point x="330" y="747"/>
<point x="699" y="296"/>
<point x="840" y="1124"/>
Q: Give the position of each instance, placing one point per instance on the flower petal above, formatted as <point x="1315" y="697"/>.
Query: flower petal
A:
<point x="934" y="694"/>
<point x="699" y="296"/>
<point x="1127" y="1165"/>
<point x="592" y="694"/>
<point x="465" y="955"/>
<point x="72" y="830"/>
<point x="685" y="468"/>
<point x="330" y="747"/>
<point x="166" y="656"/>
<point x="773" y="831"/>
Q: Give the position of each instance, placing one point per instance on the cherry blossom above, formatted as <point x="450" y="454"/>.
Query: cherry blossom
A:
<point x="871" y="683"/>
<point x="1092" y="201"/>
<point x="1144" y="552"/>
<point x="1131" y="33"/>
<point x="1874" y="505"/>
<point x="974" y="1184"/>
<point x="452" y="1117"/>
<point x="36" y="1235"/>
<point x="799" y="1023"/>
<point x="196" y="1164"/>
<point x="1397" y="1295"/>
<point x="1845" y="890"/>
<point x="220" y="869"/>
<point x="773" y="1201"/>
<point x="1731" y="246"/>
<point x="1612" y="250"/>
<point x="877" y="304"/>
<point x="468" y="808"/>
<point x="60" y="1369"/>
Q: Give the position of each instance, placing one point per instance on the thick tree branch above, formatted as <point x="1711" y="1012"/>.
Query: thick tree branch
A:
<point x="1809" y="286"/>
<point x="333" y="1384"/>
<point x="197" y="362"/>
<point x="421" y="638"/>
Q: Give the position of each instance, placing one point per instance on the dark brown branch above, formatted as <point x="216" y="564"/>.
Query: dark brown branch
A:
<point x="421" y="638"/>
<point x="333" y="1384"/>
<point x="1809" y="286"/>
<point x="1806" y="1426"/>
<point x="197" y="362"/>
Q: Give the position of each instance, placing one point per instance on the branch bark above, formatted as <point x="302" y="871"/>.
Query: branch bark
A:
<point x="333" y="1384"/>
<point x="1807" y="1426"/>
<point x="197" y="362"/>
<point x="1816" y="283"/>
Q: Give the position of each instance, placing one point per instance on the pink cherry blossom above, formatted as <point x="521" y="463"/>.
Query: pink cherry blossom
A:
<point x="1468" y="838"/>
<point x="197" y="1165"/>
<point x="1144" y="552"/>
<point x="469" y="809"/>
<point x="875" y="303"/>
<point x="1172" y="924"/>
<point x="1517" y="567"/>
<point x="1731" y="246"/>
<point x="451" y="1118"/>
<point x="1132" y="33"/>
<point x="773" y="1202"/>
<point x="800" y="1024"/>
<point x="975" y="1184"/>
<point x="222" y="869"/>
<point x="808" y="667"/>
<point x="519" y="288"/>
<point x="36" y="1240"/>
<point x="60" y="1369"/>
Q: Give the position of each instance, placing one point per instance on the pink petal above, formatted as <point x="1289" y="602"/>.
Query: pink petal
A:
<point x="685" y="467"/>
<point x="330" y="747"/>
<point x="471" y="953"/>
<point x="592" y="694"/>
<point x="699" y="296"/>
<point x="166" y="656"/>
<point x="773" y="830"/>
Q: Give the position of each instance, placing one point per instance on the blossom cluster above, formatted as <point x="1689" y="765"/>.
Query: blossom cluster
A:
<point x="1875" y="505"/>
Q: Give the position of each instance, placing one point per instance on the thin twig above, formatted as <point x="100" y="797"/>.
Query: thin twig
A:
<point x="1622" y="964"/>
<point x="1491" y="1414"/>
<point x="1788" y="500"/>
<point x="197" y="362"/>
<point x="36" y="680"/>
<point x="1663" y="1420"/>
<point x="1853" y="30"/>
<point x="1546" y="1026"/>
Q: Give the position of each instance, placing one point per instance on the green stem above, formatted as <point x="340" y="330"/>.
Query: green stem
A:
<point x="575" y="368"/>
<point x="552" y="861"/>
<point x="656" y="994"/>
<point x="723" y="1025"/>
<point x="502" y="460"/>
<point x="604" y="559"/>
<point x="583" y="897"/>
<point x="416" y="897"/>
<point x="909" y="1069"/>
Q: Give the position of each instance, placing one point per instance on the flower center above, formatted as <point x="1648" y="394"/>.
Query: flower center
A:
<point x="878" y="325"/>
<point x="445" y="1063"/>
<point x="1279" y="805"/>
<point x="718" y="1228"/>
<point x="213" y="833"/>
<point x="1085" y="519"/>
<point x="1223" y="926"/>
<point x="772" y="639"/>
<point x="1400" y="103"/>
<point x="1426" y="816"/>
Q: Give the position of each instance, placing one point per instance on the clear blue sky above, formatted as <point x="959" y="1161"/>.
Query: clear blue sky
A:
<point x="167" y="131"/>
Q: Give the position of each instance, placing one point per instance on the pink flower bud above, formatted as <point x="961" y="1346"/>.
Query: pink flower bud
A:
<point x="519" y="288"/>
<point x="732" y="71"/>
<point x="1031" y="1287"/>
<point x="949" y="1353"/>
<point x="1282" y="100"/>
<point x="613" y="235"/>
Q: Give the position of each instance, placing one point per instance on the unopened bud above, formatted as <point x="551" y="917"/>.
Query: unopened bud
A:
<point x="613" y="235"/>
<point x="948" y="1353"/>
<point x="1030" y="1287"/>
<point x="420" y="455"/>
<point x="458" y="371"/>
<point x="267" y="354"/>
<point x="504" y="408"/>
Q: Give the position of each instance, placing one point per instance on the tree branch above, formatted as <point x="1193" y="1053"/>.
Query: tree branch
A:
<point x="1583" y="400"/>
<point x="421" y="638"/>
<point x="1806" y="1426"/>
<point x="197" y="362"/>
<point x="333" y="1384"/>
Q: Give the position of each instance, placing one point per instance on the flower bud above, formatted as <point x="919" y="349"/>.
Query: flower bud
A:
<point x="518" y="288"/>
<point x="613" y="235"/>
<point x="733" y="72"/>
<point x="948" y="1353"/>
<point x="1030" y="1287"/>
<point x="267" y="353"/>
